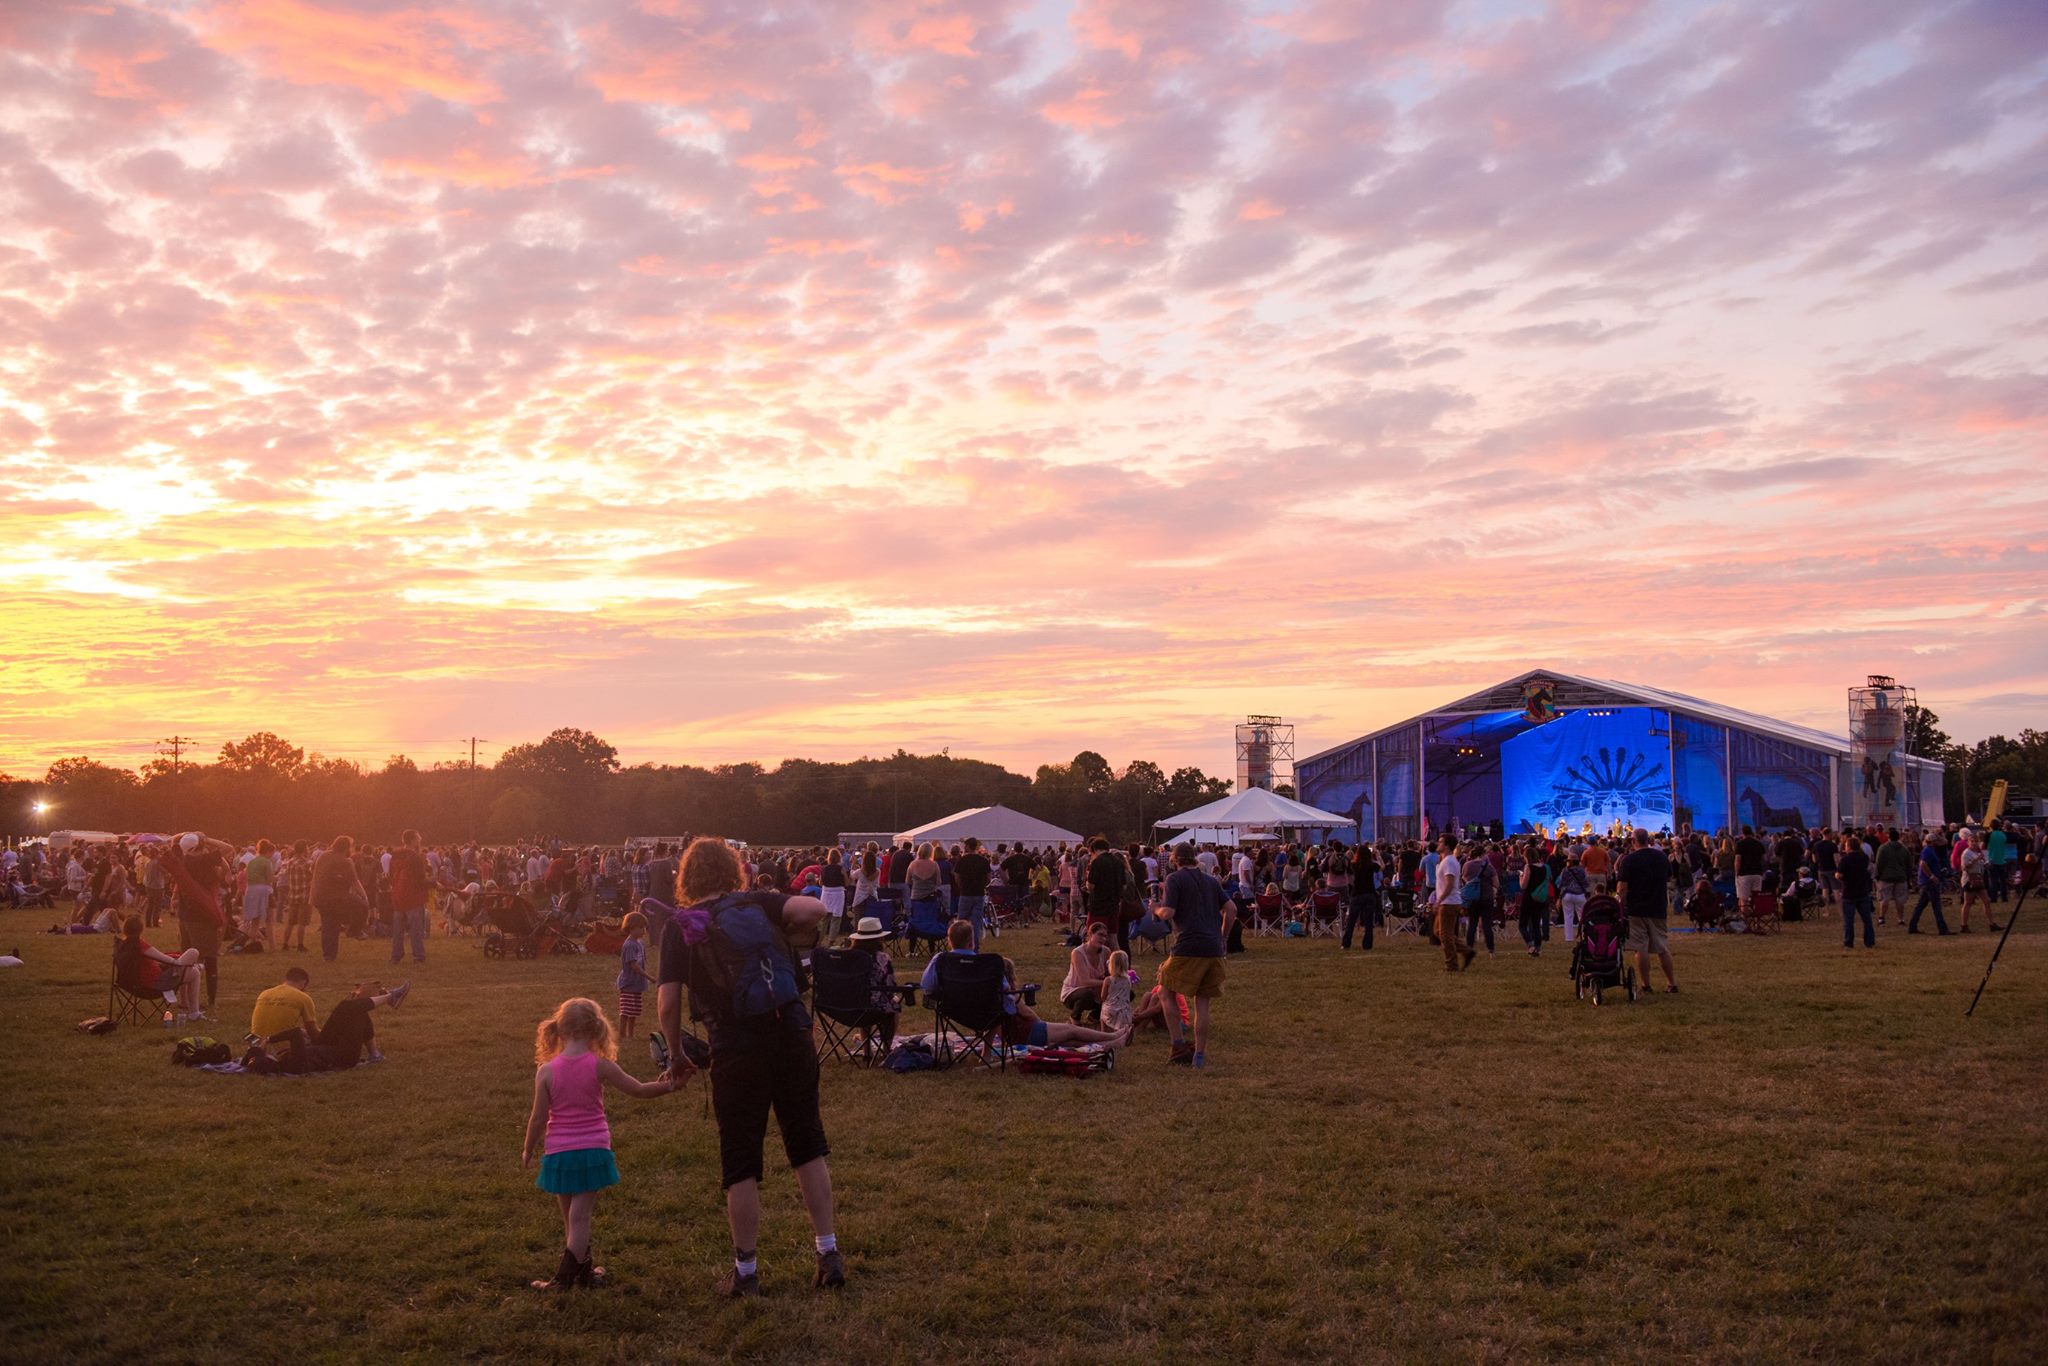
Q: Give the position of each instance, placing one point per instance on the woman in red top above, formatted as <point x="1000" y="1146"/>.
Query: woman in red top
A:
<point x="143" y="970"/>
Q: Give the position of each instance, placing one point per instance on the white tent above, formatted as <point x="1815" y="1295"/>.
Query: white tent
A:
<point x="991" y="825"/>
<point x="1257" y="808"/>
<point x="1217" y="834"/>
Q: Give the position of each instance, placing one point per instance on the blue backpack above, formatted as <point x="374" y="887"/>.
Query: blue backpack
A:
<point x="744" y="968"/>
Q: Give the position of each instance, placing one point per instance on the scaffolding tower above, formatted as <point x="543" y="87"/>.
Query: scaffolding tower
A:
<point x="1265" y="753"/>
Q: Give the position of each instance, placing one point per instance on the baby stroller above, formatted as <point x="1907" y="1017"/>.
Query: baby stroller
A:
<point x="515" y="930"/>
<point x="1599" y="960"/>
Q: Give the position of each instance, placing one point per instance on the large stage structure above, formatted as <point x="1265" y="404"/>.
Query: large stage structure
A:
<point x="1549" y="747"/>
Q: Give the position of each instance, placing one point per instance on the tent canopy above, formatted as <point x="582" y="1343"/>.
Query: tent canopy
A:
<point x="1259" y="809"/>
<point x="1213" y="834"/>
<point x="991" y="825"/>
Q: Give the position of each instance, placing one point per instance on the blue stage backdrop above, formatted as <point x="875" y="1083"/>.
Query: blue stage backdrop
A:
<point x="1584" y="767"/>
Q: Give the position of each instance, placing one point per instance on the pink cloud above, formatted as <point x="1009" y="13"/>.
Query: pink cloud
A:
<point x="988" y="360"/>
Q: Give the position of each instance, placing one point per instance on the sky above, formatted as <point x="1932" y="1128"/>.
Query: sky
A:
<point x="752" y="380"/>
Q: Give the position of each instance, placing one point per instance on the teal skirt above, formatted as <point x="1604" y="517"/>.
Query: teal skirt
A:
<point x="578" y="1171"/>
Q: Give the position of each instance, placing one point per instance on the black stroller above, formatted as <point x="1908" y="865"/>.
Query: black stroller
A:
<point x="513" y="929"/>
<point x="1600" y="957"/>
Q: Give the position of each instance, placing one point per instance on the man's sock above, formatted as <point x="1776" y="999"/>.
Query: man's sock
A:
<point x="743" y="1262"/>
<point x="826" y="1242"/>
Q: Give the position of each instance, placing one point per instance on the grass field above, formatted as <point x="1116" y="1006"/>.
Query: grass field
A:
<point x="1805" y="1155"/>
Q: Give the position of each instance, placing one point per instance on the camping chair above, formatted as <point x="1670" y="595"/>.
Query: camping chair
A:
<point x="1269" y="914"/>
<point x="843" y="1003"/>
<point x="130" y="1007"/>
<point x="887" y="906"/>
<point x="1763" y="917"/>
<point x="927" y="922"/>
<point x="967" y="998"/>
<point x="1325" y="911"/>
<point x="1401" y="916"/>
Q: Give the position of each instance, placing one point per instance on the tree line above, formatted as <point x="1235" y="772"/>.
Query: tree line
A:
<point x="571" y="783"/>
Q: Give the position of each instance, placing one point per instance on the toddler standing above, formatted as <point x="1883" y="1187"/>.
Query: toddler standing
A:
<point x="632" y="981"/>
<point x="1116" y="994"/>
<point x="576" y="1053"/>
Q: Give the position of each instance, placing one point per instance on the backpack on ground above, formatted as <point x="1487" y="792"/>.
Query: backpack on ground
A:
<point x="744" y="965"/>
<point x="199" y="1050"/>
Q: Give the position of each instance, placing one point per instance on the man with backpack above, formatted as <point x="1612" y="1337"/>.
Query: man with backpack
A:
<point x="730" y="951"/>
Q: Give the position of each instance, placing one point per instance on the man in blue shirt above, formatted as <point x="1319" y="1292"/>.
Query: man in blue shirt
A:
<point x="1933" y="868"/>
<point x="1201" y="916"/>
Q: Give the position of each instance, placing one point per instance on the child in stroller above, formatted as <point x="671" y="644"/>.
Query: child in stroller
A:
<point x="1599" y="961"/>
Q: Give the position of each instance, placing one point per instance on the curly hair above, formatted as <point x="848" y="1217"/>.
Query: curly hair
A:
<point x="577" y="1018"/>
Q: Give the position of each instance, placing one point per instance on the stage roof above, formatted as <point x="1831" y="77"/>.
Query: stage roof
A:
<point x="1578" y="690"/>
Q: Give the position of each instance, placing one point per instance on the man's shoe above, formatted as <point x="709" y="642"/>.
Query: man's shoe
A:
<point x="1468" y="957"/>
<point x="1996" y="929"/>
<point x="831" y="1271"/>
<point x="1183" y="1055"/>
<point x="733" y="1286"/>
<point x="399" y="993"/>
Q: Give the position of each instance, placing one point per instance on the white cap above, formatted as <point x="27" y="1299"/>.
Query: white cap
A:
<point x="188" y="843"/>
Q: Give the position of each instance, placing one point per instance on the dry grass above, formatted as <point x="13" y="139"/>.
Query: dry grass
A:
<point x="1805" y="1155"/>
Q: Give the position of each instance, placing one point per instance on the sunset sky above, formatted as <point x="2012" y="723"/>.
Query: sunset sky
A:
<point x="747" y="380"/>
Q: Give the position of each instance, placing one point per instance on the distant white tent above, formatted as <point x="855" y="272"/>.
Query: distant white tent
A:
<point x="991" y="825"/>
<point x="1257" y="808"/>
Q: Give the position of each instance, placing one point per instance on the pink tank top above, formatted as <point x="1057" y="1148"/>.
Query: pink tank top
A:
<point x="576" y="1105"/>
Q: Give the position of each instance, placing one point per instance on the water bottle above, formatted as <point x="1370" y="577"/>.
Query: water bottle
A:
<point x="167" y="1019"/>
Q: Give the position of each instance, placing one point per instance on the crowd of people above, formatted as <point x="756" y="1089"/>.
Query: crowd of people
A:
<point x="780" y="904"/>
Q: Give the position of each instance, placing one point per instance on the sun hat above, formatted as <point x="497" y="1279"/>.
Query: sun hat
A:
<point x="868" y="928"/>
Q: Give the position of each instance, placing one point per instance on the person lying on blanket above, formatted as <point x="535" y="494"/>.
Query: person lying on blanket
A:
<point x="337" y="1045"/>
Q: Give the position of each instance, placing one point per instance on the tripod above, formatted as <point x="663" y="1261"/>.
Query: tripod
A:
<point x="2010" y="921"/>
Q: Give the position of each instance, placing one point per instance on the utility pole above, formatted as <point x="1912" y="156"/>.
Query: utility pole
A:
<point x="472" y="788"/>
<point x="177" y="744"/>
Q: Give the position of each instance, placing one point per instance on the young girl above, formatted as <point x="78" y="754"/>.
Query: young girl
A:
<point x="575" y="1051"/>
<point x="1116" y="994"/>
<point x="632" y="981"/>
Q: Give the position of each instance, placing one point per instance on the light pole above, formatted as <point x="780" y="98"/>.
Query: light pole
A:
<point x="42" y="818"/>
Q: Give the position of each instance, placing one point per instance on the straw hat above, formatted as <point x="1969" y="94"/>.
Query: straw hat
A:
<point x="868" y="928"/>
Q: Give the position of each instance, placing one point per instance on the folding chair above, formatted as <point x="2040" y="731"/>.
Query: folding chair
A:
<point x="887" y="906"/>
<point x="1763" y="916"/>
<point x="843" y="1003"/>
<point x="130" y="1007"/>
<point x="1269" y="915"/>
<point x="968" y="998"/>
<point x="1402" y="917"/>
<point x="927" y="921"/>
<point x="1325" y="911"/>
